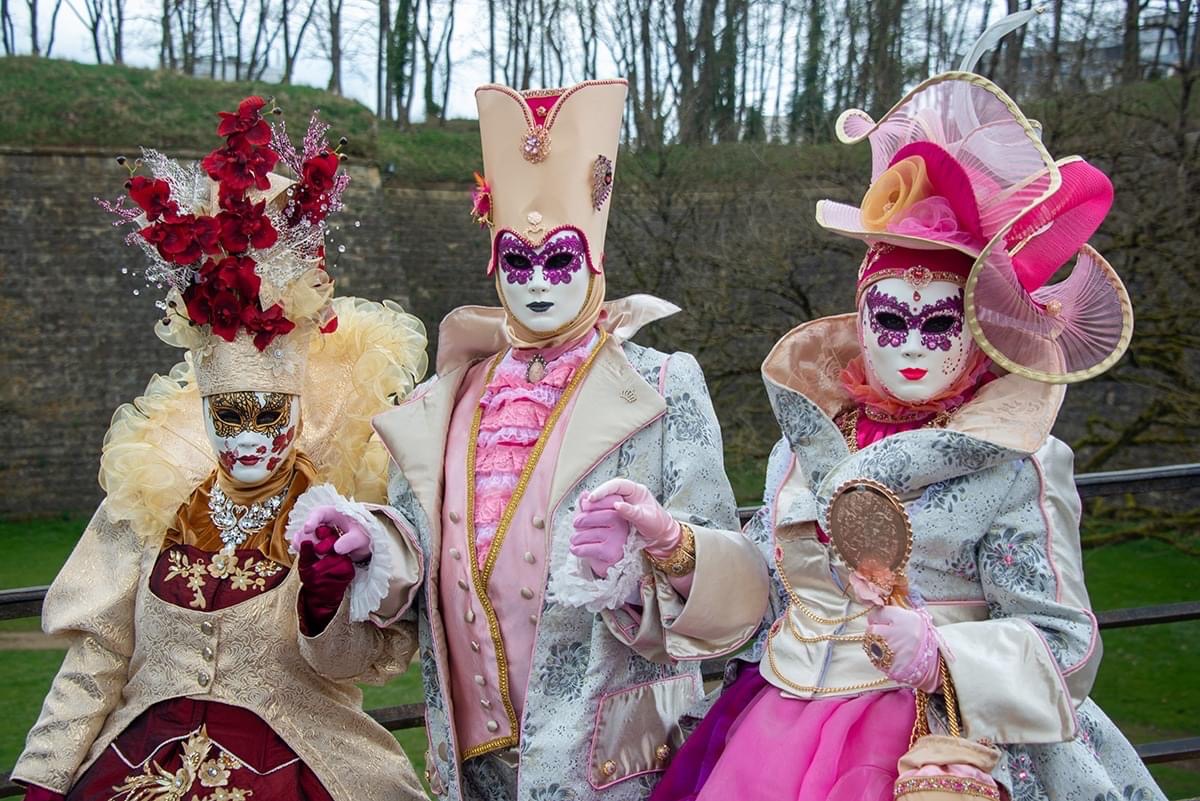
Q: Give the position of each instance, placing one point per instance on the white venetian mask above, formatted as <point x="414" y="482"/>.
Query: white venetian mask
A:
<point x="915" y="342"/>
<point x="544" y="288"/>
<point x="252" y="433"/>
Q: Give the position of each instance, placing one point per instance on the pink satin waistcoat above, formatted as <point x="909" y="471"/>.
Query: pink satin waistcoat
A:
<point x="491" y="652"/>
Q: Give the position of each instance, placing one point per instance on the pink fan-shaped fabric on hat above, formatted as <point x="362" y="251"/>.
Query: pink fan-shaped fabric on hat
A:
<point x="1047" y="236"/>
<point x="1061" y="333"/>
<point x="978" y="126"/>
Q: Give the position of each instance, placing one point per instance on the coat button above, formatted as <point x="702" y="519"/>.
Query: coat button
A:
<point x="443" y="752"/>
<point x="207" y="653"/>
<point x="529" y="557"/>
<point x="480" y="680"/>
<point x="609" y="767"/>
<point x="662" y="752"/>
<point x="533" y="619"/>
<point x="454" y="554"/>
<point x="539" y="521"/>
<point x="462" y="585"/>
<point x="493" y="726"/>
<point x="203" y="679"/>
<point x="207" y="628"/>
<point x="469" y="616"/>
<point x="474" y="646"/>
<point x="527" y="593"/>
<point x="485" y="703"/>
<point x="454" y="518"/>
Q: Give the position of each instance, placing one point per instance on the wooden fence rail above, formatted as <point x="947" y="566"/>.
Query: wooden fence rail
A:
<point x="27" y="602"/>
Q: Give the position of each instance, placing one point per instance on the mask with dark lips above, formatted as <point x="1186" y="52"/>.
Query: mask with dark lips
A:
<point x="251" y="433"/>
<point x="544" y="288"/>
<point x="915" y="350"/>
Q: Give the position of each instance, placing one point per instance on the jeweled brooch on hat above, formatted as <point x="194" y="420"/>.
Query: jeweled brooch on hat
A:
<point x="602" y="179"/>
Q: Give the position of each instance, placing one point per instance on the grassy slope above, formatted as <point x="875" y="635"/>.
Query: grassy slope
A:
<point x="1146" y="682"/>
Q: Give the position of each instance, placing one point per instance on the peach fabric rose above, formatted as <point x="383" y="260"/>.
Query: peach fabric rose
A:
<point x="900" y="186"/>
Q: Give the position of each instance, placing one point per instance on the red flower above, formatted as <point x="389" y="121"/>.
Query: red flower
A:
<point x="216" y="306"/>
<point x="481" y="201"/>
<point x="320" y="170"/>
<point x="244" y="225"/>
<point x="279" y="443"/>
<point x="246" y="124"/>
<point x="175" y="239"/>
<point x="330" y="326"/>
<point x="235" y="274"/>
<point x="238" y="167"/>
<point x="265" y="325"/>
<point x="153" y="197"/>
<point x="207" y="231"/>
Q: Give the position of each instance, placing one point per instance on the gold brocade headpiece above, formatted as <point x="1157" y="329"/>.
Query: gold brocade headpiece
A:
<point x="549" y="157"/>
<point x="240" y="250"/>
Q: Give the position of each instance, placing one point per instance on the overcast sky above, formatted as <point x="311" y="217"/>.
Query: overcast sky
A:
<point x="73" y="41"/>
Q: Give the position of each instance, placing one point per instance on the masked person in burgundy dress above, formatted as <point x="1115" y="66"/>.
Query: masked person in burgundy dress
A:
<point x="942" y="387"/>
<point x="568" y="490"/>
<point x="206" y="661"/>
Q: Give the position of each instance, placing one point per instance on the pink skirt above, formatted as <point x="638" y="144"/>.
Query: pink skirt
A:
<point x="756" y="744"/>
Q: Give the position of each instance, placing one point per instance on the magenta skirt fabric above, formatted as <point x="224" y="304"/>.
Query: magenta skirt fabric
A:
<point x="756" y="744"/>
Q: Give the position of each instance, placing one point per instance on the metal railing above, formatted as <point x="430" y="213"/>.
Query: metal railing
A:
<point x="27" y="602"/>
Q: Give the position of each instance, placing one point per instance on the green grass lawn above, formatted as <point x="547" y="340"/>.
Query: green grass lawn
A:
<point x="1147" y="681"/>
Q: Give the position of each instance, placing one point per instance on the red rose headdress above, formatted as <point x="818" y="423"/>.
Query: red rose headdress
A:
<point x="240" y="249"/>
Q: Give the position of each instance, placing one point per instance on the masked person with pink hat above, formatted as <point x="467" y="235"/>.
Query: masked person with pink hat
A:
<point x="567" y="486"/>
<point x="938" y="395"/>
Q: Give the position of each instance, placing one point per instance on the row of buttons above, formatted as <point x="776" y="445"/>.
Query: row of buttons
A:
<point x="206" y="653"/>
<point x="661" y="754"/>
<point x="538" y="521"/>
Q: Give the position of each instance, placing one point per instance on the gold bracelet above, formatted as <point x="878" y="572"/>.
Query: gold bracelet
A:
<point x="682" y="560"/>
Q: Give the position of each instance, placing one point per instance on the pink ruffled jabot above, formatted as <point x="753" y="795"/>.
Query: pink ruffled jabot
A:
<point x="515" y="412"/>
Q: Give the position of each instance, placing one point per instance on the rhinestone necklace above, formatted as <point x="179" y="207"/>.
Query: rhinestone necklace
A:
<point x="236" y="522"/>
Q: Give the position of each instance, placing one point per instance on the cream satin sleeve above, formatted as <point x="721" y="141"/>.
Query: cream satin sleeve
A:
<point x="1021" y="673"/>
<point x="729" y="587"/>
<point x="91" y="604"/>
<point x="346" y="651"/>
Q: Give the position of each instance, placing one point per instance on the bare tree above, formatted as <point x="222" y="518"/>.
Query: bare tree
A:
<point x="334" y="10"/>
<point x="7" y="29"/>
<point x="292" y="47"/>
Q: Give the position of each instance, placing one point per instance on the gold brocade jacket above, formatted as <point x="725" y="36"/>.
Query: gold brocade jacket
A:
<point x="130" y="649"/>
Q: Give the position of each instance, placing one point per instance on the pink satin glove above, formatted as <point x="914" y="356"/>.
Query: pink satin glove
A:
<point x="600" y="534"/>
<point x="331" y="531"/>
<point x="903" y="644"/>
<point x="637" y="507"/>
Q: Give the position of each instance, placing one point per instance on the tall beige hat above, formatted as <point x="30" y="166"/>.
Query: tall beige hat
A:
<point x="549" y="157"/>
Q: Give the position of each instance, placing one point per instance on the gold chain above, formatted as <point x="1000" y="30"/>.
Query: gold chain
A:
<point x="804" y="610"/>
<point x="805" y="688"/>
<point x="848" y="425"/>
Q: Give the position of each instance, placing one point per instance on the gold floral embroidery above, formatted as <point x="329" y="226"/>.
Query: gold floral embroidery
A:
<point x="242" y="576"/>
<point x="156" y="784"/>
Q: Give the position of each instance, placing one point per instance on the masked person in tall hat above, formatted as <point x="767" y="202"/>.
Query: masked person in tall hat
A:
<point x="206" y="661"/>
<point x="567" y="487"/>
<point x="941" y="389"/>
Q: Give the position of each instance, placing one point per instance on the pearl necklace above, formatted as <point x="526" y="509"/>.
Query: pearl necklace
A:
<point x="236" y="522"/>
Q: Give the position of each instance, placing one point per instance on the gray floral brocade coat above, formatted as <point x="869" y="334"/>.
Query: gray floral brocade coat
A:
<point x="605" y="691"/>
<point x="996" y="559"/>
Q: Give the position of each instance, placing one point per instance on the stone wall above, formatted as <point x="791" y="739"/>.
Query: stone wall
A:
<point x="75" y="342"/>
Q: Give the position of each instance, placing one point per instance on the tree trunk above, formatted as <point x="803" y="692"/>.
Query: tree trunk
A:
<point x="7" y="29"/>
<point x="1131" y="68"/>
<point x="335" y="46"/>
<point x="491" y="41"/>
<point x="35" y="48"/>
<point x="117" y="24"/>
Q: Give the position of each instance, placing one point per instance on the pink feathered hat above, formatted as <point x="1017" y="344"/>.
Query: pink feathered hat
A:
<point x="957" y="166"/>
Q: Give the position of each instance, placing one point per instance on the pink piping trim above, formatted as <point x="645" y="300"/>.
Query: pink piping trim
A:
<point x="1037" y="465"/>
<point x="553" y="113"/>
<point x="1062" y="679"/>
<point x="596" y="729"/>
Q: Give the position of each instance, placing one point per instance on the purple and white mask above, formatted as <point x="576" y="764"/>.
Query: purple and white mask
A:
<point x="252" y="433"/>
<point x="915" y="349"/>
<point x="544" y="288"/>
